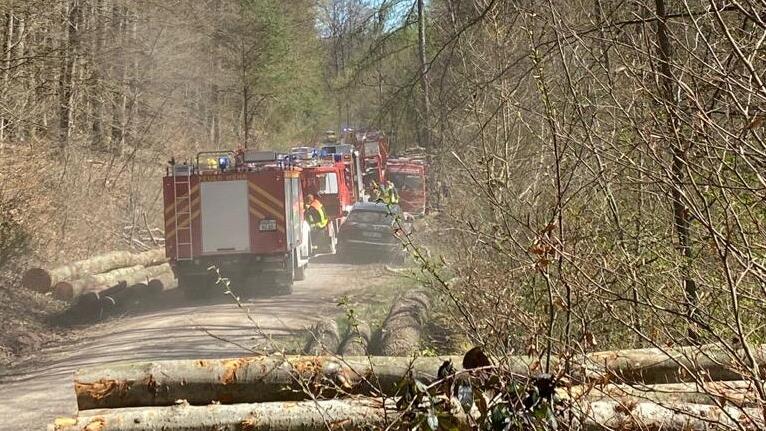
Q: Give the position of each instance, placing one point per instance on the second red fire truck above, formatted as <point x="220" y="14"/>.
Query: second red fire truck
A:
<point x="238" y="212"/>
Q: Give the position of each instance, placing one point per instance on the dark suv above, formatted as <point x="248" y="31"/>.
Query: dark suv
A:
<point x="370" y="229"/>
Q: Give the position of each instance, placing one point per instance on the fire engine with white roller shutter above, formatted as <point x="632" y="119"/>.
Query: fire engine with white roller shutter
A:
<point x="240" y="212"/>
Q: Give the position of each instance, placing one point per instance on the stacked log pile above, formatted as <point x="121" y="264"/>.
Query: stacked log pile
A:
<point x="42" y="280"/>
<point x="317" y="392"/>
<point x="105" y="284"/>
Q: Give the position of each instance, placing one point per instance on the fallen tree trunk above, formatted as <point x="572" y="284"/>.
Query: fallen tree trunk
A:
<point x="645" y="415"/>
<point x="43" y="280"/>
<point x="323" y="338"/>
<point x="68" y="290"/>
<point x="738" y="393"/>
<point x="673" y="365"/>
<point x="306" y="416"/>
<point x="400" y="335"/>
<point x="357" y="341"/>
<point x="253" y="379"/>
<point x="373" y="413"/>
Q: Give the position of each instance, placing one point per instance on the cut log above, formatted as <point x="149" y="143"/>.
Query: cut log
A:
<point x="739" y="393"/>
<point x="253" y="379"/>
<point x="68" y="290"/>
<point x="323" y="338"/>
<point x="645" y="415"/>
<point x="400" y="335"/>
<point x="305" y="416"/>
<point x="42" y="280"/>
<point x="161" y="283"/>
<point x="357" y="341"/>
<point x="374" y="413"/>
<point x="95" y="306"/>
<point x="674" y="365"/>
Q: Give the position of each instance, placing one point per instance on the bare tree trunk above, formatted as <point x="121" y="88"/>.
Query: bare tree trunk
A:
<point x="97" y="99"/>
<point x="119" y="72"/>
<point x="66" y="81"/>
<point x="9" y="19"/>
<point x="681" y="220"/>
<point x="425" y="126"/>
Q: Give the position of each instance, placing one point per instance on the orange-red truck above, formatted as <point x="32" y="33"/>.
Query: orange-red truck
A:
<point x="333" y="178"/>
<point x="240" y="212"/>
<point x="409" y="177"/>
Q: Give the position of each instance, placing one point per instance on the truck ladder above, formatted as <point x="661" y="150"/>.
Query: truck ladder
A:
<point x="183" y="219"/>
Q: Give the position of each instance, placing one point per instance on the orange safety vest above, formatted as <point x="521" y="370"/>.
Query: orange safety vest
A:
<point x="319" y="208"/>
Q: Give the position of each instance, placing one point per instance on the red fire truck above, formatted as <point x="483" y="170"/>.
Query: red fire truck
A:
<point x="409" y="177"/>
<point x="240" y="212"/>
<point x="372" y="146"/>
<point x="335" y="180"/>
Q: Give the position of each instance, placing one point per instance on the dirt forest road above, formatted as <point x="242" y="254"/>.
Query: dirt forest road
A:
<point x="41" y="388"/>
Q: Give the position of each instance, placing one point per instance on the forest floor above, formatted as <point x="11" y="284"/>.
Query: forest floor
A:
<point x="24" y="321"/>
<point x="38" y="386"/>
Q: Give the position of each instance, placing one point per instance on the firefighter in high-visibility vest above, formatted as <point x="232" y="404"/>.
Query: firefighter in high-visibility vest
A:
<point x="388" y="193"/>
<point x="315" y="213"/>
<point x="375" y="193"/>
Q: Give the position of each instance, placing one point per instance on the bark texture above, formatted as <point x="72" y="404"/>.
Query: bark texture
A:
<point x="739" y="393"/>
<point x="402" y="328"/>
<point x="644" y="415"/>
<point x="357" y="341"/>
<point x="372" y="413"/>
<point x="43" y="280"/>
<point x="673" y="365"/>
<point x="294" y="416"/>
<point x="324" y="338"/>
<point x="253" y="379"/>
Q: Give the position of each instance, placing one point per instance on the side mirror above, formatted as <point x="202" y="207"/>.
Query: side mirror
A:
<point x="345" y="213"/>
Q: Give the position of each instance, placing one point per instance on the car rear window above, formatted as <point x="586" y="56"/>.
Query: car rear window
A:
<point x="361" y="216"/>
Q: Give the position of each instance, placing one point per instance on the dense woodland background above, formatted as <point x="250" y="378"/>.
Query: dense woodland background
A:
<point x="605" y="159"/>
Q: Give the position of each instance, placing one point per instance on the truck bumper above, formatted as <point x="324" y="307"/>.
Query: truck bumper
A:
<point x="234" y="266"/>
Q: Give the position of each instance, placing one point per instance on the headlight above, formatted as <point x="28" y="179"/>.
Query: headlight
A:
<point x="267" y="225"/>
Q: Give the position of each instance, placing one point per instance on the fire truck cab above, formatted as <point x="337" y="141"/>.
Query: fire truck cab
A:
<point x="372" y="146"/>
<point x="409" y="177"/>
<point x="240" y="212"/>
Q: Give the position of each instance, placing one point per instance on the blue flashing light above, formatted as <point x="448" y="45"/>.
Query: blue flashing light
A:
<point x="223" y="163"/>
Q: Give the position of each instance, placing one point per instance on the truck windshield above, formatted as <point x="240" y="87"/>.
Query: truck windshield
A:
<point x="373" y="217"/>
<point x="407" y="183"/>
<point x="328" y="183"/>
